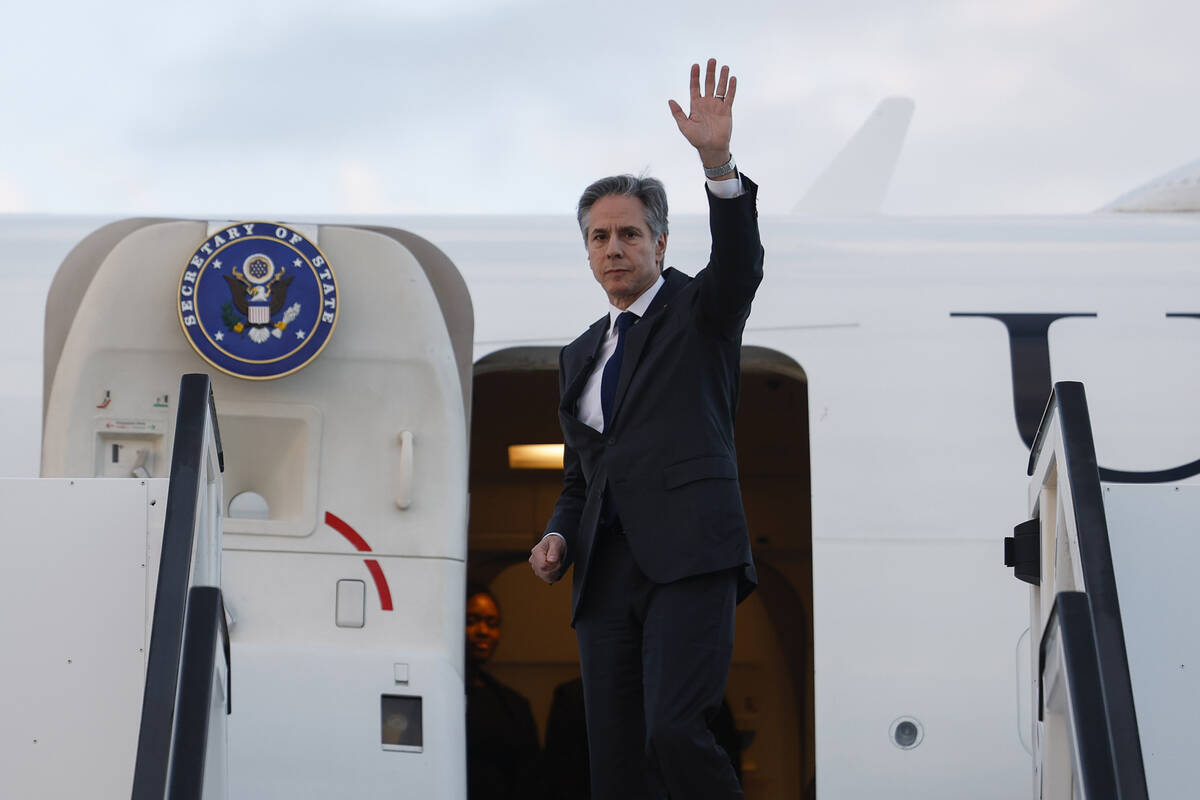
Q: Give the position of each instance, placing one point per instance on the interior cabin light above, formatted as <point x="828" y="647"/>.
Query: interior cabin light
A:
<point x="535" y="456"/>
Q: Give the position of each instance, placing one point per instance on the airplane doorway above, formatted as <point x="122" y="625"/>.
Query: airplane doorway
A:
<point x="770" y="688"/>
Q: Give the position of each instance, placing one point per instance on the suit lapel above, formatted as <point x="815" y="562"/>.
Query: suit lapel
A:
<point x="637" y="336"/>
<point x="577" y="373"/>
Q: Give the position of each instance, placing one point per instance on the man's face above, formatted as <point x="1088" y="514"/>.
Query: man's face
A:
<point x="483" y="628"/>
<point x="624" y="255"/>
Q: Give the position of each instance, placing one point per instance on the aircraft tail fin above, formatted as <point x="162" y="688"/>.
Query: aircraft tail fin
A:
<point x="857" y="180"/>
<point x="1176" y="190"/>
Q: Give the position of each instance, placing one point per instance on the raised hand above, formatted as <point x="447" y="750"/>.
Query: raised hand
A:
<point x="708" y="125"/>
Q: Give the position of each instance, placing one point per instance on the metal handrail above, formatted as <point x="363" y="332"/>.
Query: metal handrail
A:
<point x="1071" y="687"/>
<point x="202" y="687"/>
<point x="1076" y="557"/>
<point x="191" y="557"/>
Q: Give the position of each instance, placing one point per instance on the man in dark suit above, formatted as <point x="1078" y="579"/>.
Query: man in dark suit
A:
<point x="650" y="512"/>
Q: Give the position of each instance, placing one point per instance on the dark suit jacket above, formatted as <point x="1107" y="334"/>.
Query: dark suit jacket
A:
<point x="502" y="743"/>
<point x="668" y="459"/>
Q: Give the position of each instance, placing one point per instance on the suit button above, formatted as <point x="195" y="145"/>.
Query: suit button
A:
<point x="613" y="440"/>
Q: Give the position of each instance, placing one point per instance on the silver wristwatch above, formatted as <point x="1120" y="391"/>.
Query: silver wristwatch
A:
<point x="721" y="171"/>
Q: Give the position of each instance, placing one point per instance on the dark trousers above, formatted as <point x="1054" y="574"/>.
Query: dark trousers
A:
<point x="655" y="659"/>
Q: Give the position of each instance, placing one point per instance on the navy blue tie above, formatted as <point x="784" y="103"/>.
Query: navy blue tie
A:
<point x="612" y="370"/>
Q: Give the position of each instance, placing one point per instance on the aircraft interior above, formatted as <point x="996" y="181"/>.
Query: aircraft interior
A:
<point x="770" y="689"/>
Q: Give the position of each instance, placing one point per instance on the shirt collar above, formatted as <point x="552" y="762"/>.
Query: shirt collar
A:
<point x="638" y="306"/>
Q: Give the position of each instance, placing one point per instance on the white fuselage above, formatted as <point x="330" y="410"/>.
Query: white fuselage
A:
<point x="915" y="461"/>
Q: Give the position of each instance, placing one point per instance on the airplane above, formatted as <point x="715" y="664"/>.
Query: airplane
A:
<point x="895" y="373"/>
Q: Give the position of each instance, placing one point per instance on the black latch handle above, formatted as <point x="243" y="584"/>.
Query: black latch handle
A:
<point x="1023" y="552"/>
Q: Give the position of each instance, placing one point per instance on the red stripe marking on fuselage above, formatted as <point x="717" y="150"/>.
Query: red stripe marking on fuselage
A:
<point x="340" y="525"/>
<point x="360" y="544"/>
<point x="381" y="584"/>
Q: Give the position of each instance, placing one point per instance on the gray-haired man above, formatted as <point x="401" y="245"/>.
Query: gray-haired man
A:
<point x="650" y="512"/>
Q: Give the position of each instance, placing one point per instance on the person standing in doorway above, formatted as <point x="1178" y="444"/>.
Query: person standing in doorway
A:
<point x="650" y="513"/>
<point x="502" y="738"/>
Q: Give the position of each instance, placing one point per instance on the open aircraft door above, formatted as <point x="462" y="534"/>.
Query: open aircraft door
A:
<point x="340" y="359"/>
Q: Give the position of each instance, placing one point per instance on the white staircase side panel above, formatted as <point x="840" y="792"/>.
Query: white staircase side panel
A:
<point x="1154" y="533"/>
<point x="77" y="585"/>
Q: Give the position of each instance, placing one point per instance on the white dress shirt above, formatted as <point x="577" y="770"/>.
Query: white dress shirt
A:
<point x="589" y="410"/>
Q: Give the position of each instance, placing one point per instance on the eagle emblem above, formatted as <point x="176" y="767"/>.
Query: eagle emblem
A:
<point x="258" y="300"/>
<point x="259" y="293"/>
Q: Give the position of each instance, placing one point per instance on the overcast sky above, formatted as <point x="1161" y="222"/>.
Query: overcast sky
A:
<point x="383" y="106"/>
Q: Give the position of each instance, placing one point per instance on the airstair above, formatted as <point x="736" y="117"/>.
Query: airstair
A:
<point x="1111" y="692"/>
<point x="117" y="656"/>
<point x="310" y="552"/>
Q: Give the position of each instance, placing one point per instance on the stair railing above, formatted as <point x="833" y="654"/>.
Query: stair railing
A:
<point x="1085" y="735"/>
<point x="181" y="741"/>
